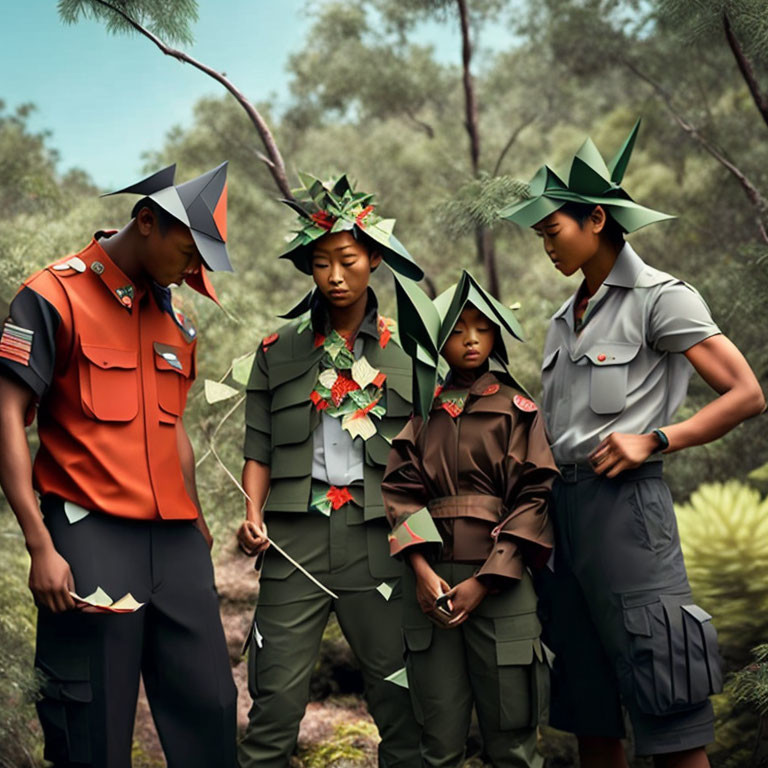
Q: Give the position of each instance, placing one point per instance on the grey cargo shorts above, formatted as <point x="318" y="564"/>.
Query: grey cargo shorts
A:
<point x="617" y="611"/>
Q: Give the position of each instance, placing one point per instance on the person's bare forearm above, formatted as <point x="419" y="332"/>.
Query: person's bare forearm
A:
<point x="725" y="369"/>
<point x="256" y="477"/>
<point x="16" y="465"/>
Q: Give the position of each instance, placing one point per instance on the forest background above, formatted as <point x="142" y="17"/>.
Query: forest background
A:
<point x="445" y="146"/>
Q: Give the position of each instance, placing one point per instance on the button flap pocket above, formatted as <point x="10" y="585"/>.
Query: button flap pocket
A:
<point x="603" y="353"/>
<point x="636" y="621"/>
<point x="108" y="357"/>
<point x="518" y="652"/>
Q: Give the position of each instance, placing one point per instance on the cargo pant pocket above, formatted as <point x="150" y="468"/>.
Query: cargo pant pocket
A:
<point x="523" y="674"/>
<point x="672" y="653"/>
<point x="63" y="708"/>
<point x="415" y="640"/>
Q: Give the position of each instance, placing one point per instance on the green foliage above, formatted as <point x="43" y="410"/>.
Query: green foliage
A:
<point x="724" y="535"/>
<point x="170" y="20"/>
<point x="19" y="738"/>
<point x="351" y="745"/>
<point x="478" y="202"/>
<point x="698" y="20"/>
<point x="750" y="684"/>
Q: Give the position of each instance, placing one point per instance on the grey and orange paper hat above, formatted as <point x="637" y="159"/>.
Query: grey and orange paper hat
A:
<point x="334" y="206"/>
<point x="591" y="181"/>
<point x="200" y="204"/>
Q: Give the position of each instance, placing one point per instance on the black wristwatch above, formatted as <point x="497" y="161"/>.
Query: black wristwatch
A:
<point x="663" y="441"/>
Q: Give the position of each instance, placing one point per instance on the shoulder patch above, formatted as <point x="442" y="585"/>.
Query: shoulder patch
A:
<point x="72" y="265"/>
<point x="268" y="341"/>
<point x="524" y="404"/>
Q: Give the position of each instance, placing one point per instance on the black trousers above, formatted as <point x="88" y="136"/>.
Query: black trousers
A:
<point x="619" y="615"/>
<point x="91" y="662"/>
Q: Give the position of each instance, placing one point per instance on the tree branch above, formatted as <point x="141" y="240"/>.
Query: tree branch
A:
<point x="273" y="160"/>
<point x="751" y="191"/>
<point x="745" y="67"/>
<point x="512" y="139"/>
<point x="421" y="124"/>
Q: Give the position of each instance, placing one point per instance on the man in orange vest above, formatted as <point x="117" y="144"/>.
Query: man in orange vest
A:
<point x="120" y="563"/>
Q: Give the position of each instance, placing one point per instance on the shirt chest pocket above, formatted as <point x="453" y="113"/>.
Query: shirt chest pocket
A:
<point x="108" y="382"/>
<point x="609" y="373"/>
<point x="173" y="368"/>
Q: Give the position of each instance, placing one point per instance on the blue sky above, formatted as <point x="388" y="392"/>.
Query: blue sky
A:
<point x="107" y="99"/>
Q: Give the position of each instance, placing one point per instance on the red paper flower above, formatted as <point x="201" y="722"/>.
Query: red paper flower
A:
<point x="323" y="219"/>
<point x="320" y="402"/>
<point x="360" y="218"/>
<point x="341" y="387"/>
<point x="268" y="341"/>
<point x="319" y="340"/>
<point x="380" y="379"/>
<point x="438" y="390"/>
<point x="338" y="496"/>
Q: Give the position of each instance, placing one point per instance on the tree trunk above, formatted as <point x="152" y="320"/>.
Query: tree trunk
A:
<point x="486" y="254"/>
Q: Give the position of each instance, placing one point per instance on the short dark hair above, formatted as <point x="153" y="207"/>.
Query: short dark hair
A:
<point x="582" y="211"/>
<point x="163" y="218"/>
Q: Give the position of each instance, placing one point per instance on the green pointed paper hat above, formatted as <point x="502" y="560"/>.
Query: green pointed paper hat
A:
<point x="334" y="206"/>
<point x="590" y="181"/>
<point x="452" y="302"/>
<point x="425" y="325"/>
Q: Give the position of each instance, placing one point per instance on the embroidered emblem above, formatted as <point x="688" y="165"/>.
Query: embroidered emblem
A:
<point x="452" y="401"/>
<point x="125" y="294"/>
<point x="524" y="404"/>
<point x="97" y="267"/>
<point x="16" y="343"/>
<point x="268" y="341"/>
<point x="491" y="389"/>
<point x="172" y="360"/>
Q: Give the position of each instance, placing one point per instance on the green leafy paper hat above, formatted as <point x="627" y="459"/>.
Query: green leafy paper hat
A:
<point x="333" y="206"/>
<point x="425" y="325"/>
<point x="590" y="181"/>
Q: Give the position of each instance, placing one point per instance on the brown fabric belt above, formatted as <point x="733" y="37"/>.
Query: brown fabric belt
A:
<point x="478" y="506"/>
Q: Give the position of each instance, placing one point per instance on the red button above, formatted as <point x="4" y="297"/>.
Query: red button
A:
<point x="601" y="358"/>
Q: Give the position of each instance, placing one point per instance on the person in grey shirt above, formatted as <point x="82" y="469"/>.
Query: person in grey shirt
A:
<point x="615" y="601"/>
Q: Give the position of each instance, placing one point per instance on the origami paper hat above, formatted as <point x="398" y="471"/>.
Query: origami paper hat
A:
<point x="200" y="204"/>
<point x="325" y="207"/>
<point x="590" y="181"/>
<point x="424" y="327"/>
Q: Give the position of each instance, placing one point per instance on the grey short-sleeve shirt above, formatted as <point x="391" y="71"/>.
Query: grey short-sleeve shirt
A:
<point x="624" y="371"/>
